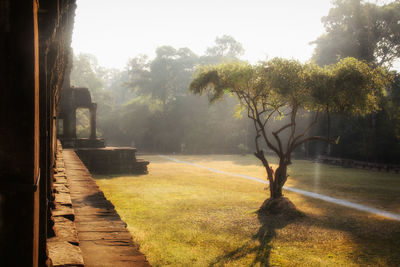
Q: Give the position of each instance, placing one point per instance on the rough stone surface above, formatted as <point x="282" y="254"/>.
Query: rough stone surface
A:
<point x="62" y="253"/>
<point x="104" y="239"/>
<point x="63" y="211"/>
<point x="60" y="180"/>
<point x="65" y="231"/>
<point x="63" y="199"/>
<point x="61" y="188"/>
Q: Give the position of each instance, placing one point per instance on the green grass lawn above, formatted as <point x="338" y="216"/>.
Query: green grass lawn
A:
<point x="182" y="215"/>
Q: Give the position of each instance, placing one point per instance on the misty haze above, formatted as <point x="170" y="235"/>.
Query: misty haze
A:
<point x="201" y="133"/>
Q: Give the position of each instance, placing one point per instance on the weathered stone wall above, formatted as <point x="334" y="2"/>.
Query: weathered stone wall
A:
<point x="63" y="246"/>
<point x="56" y="21"/>
<point x="34" y="54"/>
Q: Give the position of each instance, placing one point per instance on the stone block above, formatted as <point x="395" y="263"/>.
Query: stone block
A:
<point x="64" y="230"/>
<point x="62" y="253"/>
<point x="63" y="211"/>
<point x="63" y="199"/>
<point x="61" y="188"/>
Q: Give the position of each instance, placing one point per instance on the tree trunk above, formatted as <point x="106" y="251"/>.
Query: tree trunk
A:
<point x="280" y="180"/>
<point x="277" y="180"/>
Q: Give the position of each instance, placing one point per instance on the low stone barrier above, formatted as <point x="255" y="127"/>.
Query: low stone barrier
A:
<point x="63" y="247"/>
<point x="349" y="163"/>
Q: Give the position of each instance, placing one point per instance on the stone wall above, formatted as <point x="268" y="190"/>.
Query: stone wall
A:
<point x="34" y="59"/>
<point x="350" y="163"/>
<point x="63" y="245"/>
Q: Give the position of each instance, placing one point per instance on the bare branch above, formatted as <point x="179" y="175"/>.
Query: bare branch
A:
<point x="307" y="129"/>
<point x="294" y="141"/>
<point x="283" y="128"/>
<point x="264" y="134"/>
<point x="279" y="143"/>
<point x="292" y="132"/>
<point x="312" y="138"/>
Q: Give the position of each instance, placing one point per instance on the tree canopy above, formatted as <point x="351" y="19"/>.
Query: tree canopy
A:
<point x="287" y="90"/>
<point x="165" y="77"/>
<point x="362" y="30"/>
<point x="369" y="32"/>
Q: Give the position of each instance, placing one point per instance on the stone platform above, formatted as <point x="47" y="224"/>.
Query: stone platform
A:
<point x="112" y="160"/>
<point x="103" y="237"/>
<point x="83" y="142"/>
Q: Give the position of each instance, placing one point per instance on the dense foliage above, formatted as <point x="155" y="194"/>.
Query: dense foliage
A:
<point x="368" y="32"/>
<point x="148" y="105"/>
<point x="362" y="30"/>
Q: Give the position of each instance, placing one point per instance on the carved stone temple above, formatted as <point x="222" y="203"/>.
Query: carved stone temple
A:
<point x="92" y="151"/>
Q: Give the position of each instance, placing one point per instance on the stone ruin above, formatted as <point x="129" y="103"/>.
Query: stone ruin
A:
<point x="92" y="151"/>
<point x="71" y="99"/>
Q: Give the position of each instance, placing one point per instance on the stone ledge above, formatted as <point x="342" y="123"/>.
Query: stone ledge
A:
<point x="63" y="211"/>
<point x="65" y="231"/>
<point x="103" y="236"/>
<point x="61" y="188"/>
<point x="63" y="248"/>
<point x="63" y="199"/>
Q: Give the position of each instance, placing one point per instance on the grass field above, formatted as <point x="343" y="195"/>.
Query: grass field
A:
<point x="182" y="215"/>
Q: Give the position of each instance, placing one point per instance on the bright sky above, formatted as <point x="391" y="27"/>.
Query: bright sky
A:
<point x="117" y="30"/>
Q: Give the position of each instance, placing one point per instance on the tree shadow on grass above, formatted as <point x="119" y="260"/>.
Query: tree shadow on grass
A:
<point x="375" y="240"/>
<point x="269" y="224"/>
<point x="338" y="234"/>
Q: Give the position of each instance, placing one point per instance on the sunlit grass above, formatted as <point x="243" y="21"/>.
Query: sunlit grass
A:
<point x="187" y="216"/>
<point x="377" y="189"/>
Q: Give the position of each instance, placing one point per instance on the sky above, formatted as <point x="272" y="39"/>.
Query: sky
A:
<point x="117" y="30"/>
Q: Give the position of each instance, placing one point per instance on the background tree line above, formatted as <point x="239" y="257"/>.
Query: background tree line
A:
<point x="148" y="104"/>
<point x="371" y="33"/>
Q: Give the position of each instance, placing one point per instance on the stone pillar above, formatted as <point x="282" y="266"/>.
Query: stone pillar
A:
<point x="93" y="109"/>
<point x="72" y="121"/>
<point x="68" y="114"/>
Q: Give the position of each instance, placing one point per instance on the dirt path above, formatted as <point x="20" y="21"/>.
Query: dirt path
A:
<point x="338" y="201"/>
<point x="104" y="239"/>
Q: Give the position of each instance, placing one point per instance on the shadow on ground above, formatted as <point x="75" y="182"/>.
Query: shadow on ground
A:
<point x="371" y="241"/>
<point x="376" y="240"/>
<point x="267" y="231"/>
<point x="112" y="176"/>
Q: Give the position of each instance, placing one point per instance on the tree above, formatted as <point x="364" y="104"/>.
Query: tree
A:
<point x="368" y="32"/>
<point x="87" y="73"/>
<point x="295" y="94"/>
<point x="164" y="78"/>
<point x="226" y="48"/>
<point x="362" y="30"/>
